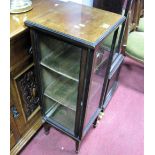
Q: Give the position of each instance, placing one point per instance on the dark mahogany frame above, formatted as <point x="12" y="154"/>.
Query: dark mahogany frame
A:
<point x="86" y="61"/>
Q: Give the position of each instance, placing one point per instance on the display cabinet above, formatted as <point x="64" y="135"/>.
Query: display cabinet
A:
<point x="71" y="65"/>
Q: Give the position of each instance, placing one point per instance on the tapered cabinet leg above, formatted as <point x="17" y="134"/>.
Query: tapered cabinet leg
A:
<point x="46" y="128"/>
<point x="95" y="122"/>
<point x="77" y="145"/>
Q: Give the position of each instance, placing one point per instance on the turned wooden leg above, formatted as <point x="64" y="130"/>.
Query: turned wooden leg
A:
<point x="46" y="128"/>
<point x="77" y="145"/>
<point x="101" y="114"/>
<point x="95" y="122"/>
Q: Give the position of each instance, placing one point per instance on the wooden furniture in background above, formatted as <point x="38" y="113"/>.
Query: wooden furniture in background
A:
<point x="136" y="11"/>
<point x="24" y="106"/>
<point x="110" y="5"/>
<point x="135" y="46"/>
<point x="25" y="115"/>
<point x="141" y="14"/>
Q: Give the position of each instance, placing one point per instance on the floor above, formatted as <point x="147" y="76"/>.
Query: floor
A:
<point x="120" y="132"/>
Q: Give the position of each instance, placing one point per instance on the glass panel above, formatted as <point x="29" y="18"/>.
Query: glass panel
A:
<point x="60" y="67"/>
<point x="60" y="88"/>
<point x="107" y="42"/>
<point x="111" y="88"/>
<point x="111" y="82"/>
<point x="114" y="6"/>
<point x="97" y="78"/>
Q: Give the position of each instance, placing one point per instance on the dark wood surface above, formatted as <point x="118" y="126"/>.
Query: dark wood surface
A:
<point x="110" y="5"/>
<point x="135" y="12"/>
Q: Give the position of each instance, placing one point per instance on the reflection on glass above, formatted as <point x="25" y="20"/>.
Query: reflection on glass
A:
<point x="111" y="87"/>
<point x="112" y="81"/>
<point x="108" y="40"/>
<point x="96" y="84"/>
<point x="60" y="67"/>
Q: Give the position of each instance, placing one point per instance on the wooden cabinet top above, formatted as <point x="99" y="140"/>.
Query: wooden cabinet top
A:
<point x="78" y="22"/>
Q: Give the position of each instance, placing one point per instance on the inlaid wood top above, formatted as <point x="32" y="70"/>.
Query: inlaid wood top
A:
<point x="70" y="19"/>
<point x="78" y="22"/>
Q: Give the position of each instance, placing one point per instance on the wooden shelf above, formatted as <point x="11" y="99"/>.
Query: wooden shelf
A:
<point x="63" y="91"/>
<point x="62" y="115"/>
<point x="66" y="63"/>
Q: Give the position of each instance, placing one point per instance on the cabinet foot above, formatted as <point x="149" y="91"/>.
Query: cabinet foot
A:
<point x="100" y="115"/>
<point x="46" y="128"/>
<point x="77" y="145"/>
<point x="95" y="123"/>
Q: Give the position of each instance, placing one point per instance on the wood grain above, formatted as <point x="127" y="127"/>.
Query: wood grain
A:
<point x="26" y="137"/>
<point x="77" y="21"/>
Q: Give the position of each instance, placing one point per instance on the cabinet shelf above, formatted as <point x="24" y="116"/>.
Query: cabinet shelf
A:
<point x="62" y="115"/>
<point x="64" y="92"/>
<point x="66" y="63"/>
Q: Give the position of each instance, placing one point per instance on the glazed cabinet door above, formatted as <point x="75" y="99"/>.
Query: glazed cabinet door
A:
<point x="97" y="77"/>
<point x="58" y="72"/>
<point x="102" y="60"/>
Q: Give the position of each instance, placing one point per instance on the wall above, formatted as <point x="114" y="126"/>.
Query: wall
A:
<point x="85" y="2"/>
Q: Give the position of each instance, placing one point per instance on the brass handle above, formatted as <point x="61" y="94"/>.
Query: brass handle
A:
<point x="14" y="112"/>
